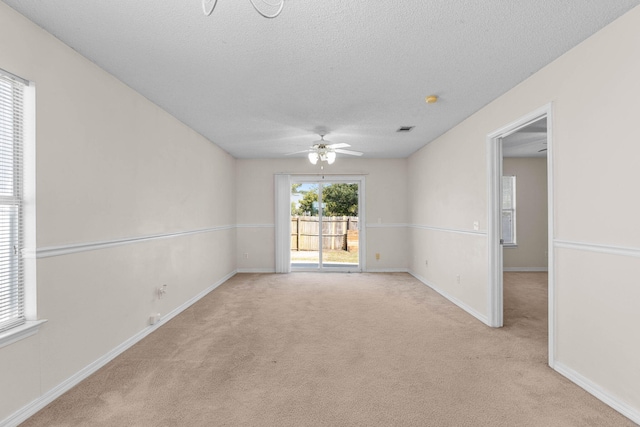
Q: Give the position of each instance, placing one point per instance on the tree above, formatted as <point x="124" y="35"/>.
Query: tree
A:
<point x="308" y="205"/>
<point x="340" y="199"/>
<point x="295" y="191"/>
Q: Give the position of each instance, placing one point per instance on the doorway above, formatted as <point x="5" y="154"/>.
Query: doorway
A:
<point x="325" y="225"/>
<point x="528" y="136"/>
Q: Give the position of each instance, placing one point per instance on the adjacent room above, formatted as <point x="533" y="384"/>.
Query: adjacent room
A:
<point x="261" y="212"/>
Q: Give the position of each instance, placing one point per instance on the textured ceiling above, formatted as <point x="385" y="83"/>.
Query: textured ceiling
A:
<point x="356" y="70"/>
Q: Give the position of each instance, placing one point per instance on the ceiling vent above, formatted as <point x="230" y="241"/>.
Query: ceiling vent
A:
<point x="405" y="128"/>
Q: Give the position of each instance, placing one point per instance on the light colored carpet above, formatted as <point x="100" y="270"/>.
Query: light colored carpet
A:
<point x="313" y="349"/>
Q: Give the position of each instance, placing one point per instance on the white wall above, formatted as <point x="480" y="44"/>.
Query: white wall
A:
<point x="531" y="214"/>
<point x="110" y="166"/>
<point x="594" y="89"/>
<point x="447" y="195"/>
<point x="386" y="199"/>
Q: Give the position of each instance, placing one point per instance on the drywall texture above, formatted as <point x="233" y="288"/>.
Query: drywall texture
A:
<point x="385" y="208"/>
<point x="595" y="154"/>
<point x="447" y="195"/>
<point x="605" y="307"/>
<point x="110" y="165"/>
<point x="454" y="264"/>
<point x="531" y="214"/>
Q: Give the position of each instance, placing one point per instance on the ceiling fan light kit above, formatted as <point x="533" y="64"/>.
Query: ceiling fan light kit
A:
<point x="327" y="155"/>
<point x="324" y="152"/>
<point x="209" y="5"/>
<point x="331" y="157"/>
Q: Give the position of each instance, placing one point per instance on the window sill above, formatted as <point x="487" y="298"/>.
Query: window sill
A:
<point x="510" y="245"/>
<point x="18" y="333"/>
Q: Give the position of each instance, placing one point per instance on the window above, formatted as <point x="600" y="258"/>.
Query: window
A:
<point x="12" y="292"/>
<point x="509" y="210"/>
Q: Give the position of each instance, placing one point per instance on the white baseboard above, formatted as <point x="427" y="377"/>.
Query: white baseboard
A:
<point x="27" y="411"/>
<point x="484" y="319"/>
<point x="381" y="270"/>
<point x="632" y="413"/>
<point x="524" y="269"/>
<point x="256" y="270"/>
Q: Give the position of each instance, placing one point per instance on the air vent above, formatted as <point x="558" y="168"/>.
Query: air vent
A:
<point x="405" y="128"/>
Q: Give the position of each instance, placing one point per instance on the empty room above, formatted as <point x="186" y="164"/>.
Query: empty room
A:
<point x="288" y="213"/>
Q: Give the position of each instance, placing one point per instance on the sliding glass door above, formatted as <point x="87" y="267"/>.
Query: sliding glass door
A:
<point x="325" y="225"/>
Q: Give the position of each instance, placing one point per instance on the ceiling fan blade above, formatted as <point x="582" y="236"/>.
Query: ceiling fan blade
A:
<point x="339" y="145"/>
<point x="297" y="152"/>
<point x="351" y="153"/>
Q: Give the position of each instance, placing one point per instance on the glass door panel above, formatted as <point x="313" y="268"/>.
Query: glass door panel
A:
<point x="340" y="225"/>
<point x="305" y="225"/>
<point x="325" y="226"/>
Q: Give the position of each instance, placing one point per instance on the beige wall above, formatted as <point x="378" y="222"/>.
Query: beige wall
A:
<point x="110" y="165"/>
<point x="385" y="201"/>
<point x="447" y="194"/>
<point x="531" y="214"/>
<point x="594" y="89"/>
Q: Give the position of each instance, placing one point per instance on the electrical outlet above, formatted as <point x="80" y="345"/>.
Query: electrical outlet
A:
<point x="246" y="255"/>
<point x="426" y="262"/>
<point x="458" y="279"/>
<point x="154" y="318"/>
<point x="476" y="225"/>
<point x="377" y="257"/>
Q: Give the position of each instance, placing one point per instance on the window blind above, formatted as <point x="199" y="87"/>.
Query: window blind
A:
<point x="509" y="210"/>
<point x="11" y="235"/>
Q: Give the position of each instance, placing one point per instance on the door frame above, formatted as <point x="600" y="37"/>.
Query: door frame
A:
<point x="326" y="178"/>
<point x="495" y="255"/>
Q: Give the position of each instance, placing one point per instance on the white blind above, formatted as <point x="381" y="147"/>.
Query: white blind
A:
<point x="11" y="139"/>
<point x="509" y="209"/>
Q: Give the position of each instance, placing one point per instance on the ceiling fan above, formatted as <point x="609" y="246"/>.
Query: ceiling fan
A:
<point x="326" y="152"/>
<point x="543" y="149"/>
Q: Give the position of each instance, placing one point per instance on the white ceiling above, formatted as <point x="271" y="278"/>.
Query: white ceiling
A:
<point x="356" y="70"/>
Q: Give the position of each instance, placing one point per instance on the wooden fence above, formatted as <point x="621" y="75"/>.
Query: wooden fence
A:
<point x="305" y="232"/>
